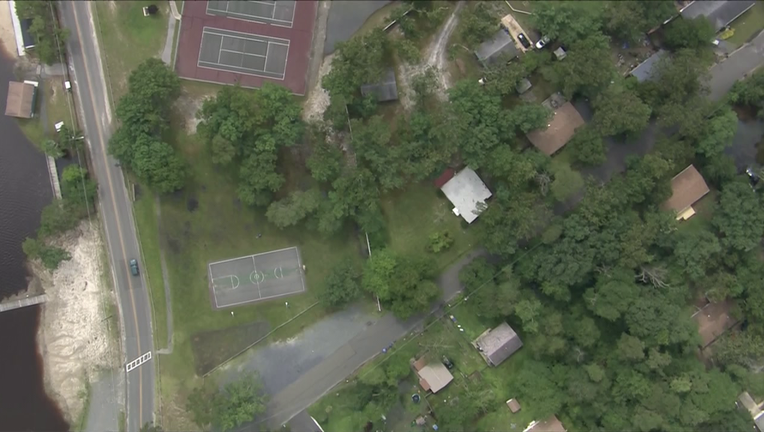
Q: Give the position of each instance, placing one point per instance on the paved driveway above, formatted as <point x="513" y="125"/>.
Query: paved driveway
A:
<point x="737" y="66"/>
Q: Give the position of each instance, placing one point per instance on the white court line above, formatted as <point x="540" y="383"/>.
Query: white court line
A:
<point x="256" y="255"/>
<point x="265" y="63"/>
<point x="243" y="53"/>
<point x="248" y="36"/>
<point x="220" y="48"/>
<point x="259" y="294"/>
<point x="299" y="269"/>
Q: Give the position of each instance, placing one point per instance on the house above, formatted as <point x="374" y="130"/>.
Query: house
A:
<point x="385" y="90"/>
<point x="687" y="188"/>
<point x="501" y="47"/>
<point x="753" y="408"/>
<point x="719" y="13"/>
<point x="467" y="193"/>
<point x="552" y="424"/>
<point x="433" y="376"/>
<point x="21" y="99"/>
<point x="644" y="71"/>
<point x="714" y="320"/>
<point x="498" y="344"/>
<point x="559" y="131"/>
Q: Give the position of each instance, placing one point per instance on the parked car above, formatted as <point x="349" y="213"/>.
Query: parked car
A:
<point x="447" y="363"/>
<point x="523" y="40"/>
<point x="542" y="42"/>
<point x="134" y="267"/>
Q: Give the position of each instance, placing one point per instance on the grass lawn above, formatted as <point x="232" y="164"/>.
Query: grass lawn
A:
<point x="56" y="102"/>
<point x="748" y="24"/>
<point x="127" y="38"/>
<point x="418" y="211"/>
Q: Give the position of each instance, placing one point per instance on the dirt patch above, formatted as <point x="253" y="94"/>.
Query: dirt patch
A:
<point x="7" y="35"/>
<point x="435" y="58"/>
<point x="318" y="98"/>
<point x="211" y="348"/>
<point x="74" y="339"/>
<point x="187" y="106"/>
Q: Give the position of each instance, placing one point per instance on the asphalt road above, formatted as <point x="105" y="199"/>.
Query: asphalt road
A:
<point x="115" y="208"/>
<point x="741" y="62"/>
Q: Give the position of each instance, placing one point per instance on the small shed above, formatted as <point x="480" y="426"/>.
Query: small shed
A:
<point x="21" y="99"/>
<point x="513" y="405"/>
<point x="560" y="130"/>
<point x="385" y="90"/>
<point x="498" y="344"/>
<point x="560" y="53"/>
<point x="644" y="71"/>
<point x="500" y="46"/>
<point x="687" y="188"/>
<point x="523" y="86"/>
<point x="467" y="193"/>
<point x="434" y="377"/>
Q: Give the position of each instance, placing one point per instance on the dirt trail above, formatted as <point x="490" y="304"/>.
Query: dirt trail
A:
<point x="435" y="59"/>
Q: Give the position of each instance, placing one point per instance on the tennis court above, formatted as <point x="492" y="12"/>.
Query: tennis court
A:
<point x="245" y="53"/>
<point x="254" y="278"/>
<point x="275" y="12"/>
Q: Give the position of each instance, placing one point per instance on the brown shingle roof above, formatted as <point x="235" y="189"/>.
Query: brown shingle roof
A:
<point x="434" y="377"/>
<point x="687" y="187"/>
<point x="20" y="100"/>
<point x="552" y="424"/>
<point x="559" y="131"/>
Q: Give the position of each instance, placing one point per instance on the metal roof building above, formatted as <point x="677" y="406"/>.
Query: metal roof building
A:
<point x="644" y="71"/>
<point x="500" y="46"/>
<point x="467" y="193"/>
<point x="498" y="344"/>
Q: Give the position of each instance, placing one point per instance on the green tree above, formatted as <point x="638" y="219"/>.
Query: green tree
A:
<point x="51" y="148"/>
<point x="619" y="110"/>
<point x="689" y="33"/>
<point x="566" y="181"/>
<point x="630" y="348"/>
<point x="630" y="20"/>
<point x="325" y="162"/>
<point x="440" y="241"/>
<point x="612" y="295"/>
<point x="738" y="217"/>
<point x="358" y="61"/>
<point x="342" y="285"/>
<point x="750" y="92"/>
<point x="77" y="188"/>
<point x="294" y="208"/>
<point x="528" y="117"/>
<point x="401" y="282"/>
<point x="238" y="403"/>
<point x="51" y="256"/>
<point x="588" y="68"/>
<point x="56" y="218"/>
<point x="568" y="22"/>
<point x="588" y="147"/>
<point x="718" y="132"/>
<point x="476" y="25"/>
<point x="49" y="38"/>
<point x="695" y="253"/>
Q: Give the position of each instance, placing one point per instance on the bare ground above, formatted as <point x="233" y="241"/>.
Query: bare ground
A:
<point x="187" y="106"/>
<point x="73" y="338"/>
<point x="435" y="58"/>
<point x="7" y="35"/>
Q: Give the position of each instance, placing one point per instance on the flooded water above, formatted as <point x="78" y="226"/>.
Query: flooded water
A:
<point x="24" y="191"/>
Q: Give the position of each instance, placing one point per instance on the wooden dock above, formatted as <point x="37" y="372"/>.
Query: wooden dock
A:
<point x="53" y="174"/>
<point x="24" y="302"/>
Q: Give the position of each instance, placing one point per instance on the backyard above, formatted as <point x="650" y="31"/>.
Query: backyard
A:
<point x="340" y="409"/>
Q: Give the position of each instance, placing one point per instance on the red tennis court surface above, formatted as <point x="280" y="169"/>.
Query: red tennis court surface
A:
<point x="247" y="42"/>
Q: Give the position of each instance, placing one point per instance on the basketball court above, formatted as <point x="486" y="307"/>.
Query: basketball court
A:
<point x="246" y="42"/>
<point x="254" y="278"/>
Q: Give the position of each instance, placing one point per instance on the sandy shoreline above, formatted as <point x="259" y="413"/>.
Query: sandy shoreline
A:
<point x="73" y="337"/>
<point x="7" y="35"/>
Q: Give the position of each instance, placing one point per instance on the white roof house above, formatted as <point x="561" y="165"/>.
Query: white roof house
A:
<point x="467" y="193"/>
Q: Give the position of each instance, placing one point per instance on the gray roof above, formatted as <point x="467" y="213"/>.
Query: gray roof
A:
<point x="523" y="86"/>
<point x="719" y="13"/>
<point x="385" y="90"/>
<point x="500" y="45"/>
<point x="467" y="193"/>
<point x="759" y="420"/>
<point x="500" y="343"/>
<point x="644" y="71"/>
